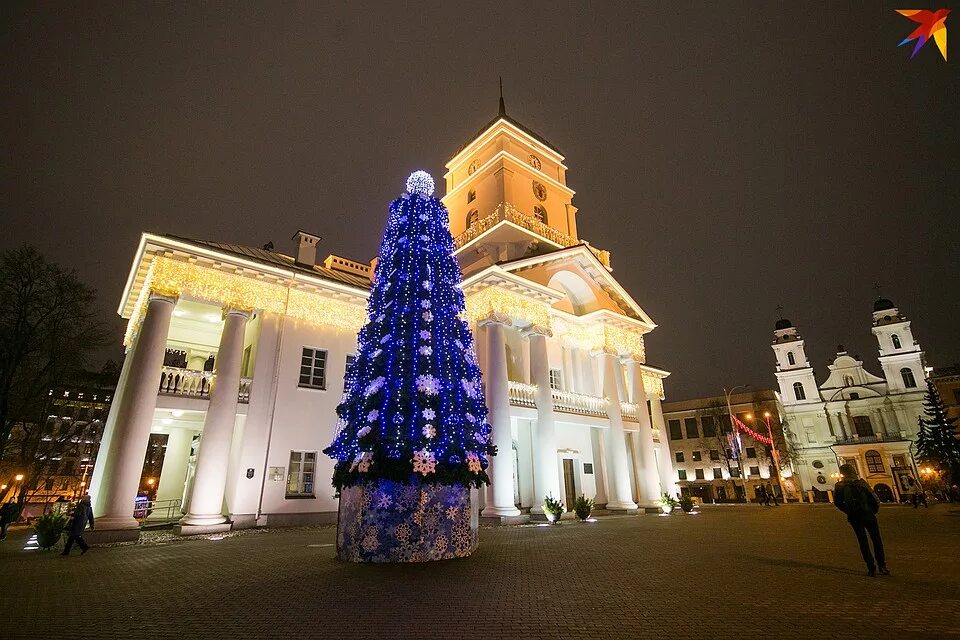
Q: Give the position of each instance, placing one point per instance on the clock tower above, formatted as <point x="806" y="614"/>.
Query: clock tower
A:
<point x="507" y="194"/>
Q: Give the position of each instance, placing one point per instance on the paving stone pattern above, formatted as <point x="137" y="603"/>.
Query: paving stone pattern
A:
<point x="730" y="572"/>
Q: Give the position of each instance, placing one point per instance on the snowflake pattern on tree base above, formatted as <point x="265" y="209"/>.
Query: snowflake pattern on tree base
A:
<point x="388" y="521"/>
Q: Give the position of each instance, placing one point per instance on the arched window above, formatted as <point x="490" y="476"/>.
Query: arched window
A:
<point x="848" y="381"/>
<point x="798" y="391"/>
<point x="896" y="341"/>
<point x="471" y="195"/>
<point x="540" y="214"/>
<point x="472" y="218"/>
<point x="874" y="462"/>
<point x="790" y="358"/>
<point x="908" y="380"/>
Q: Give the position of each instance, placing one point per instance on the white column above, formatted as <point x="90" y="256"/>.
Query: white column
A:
<point x="173" y="475"/>
<point x="209" y="483"/>
<point x="599" y="466"/>
<point x="571" y="374"/>
<point x="546" y="474"/>
<point x="614" y="442"/>
<point x="646" y="464"/>
<point x="127" y="443"/>
<point x="668" y="482"/>
<point x="500" y="495"/>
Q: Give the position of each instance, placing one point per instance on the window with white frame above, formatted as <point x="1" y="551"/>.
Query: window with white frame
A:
<point x="556" y="379"/>
<point x="301" y="474"/>
<point x="313" y="368"/>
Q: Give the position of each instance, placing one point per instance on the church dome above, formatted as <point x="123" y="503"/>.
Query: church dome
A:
<point x="882" y="304"/>
<point x="783" y="323"/>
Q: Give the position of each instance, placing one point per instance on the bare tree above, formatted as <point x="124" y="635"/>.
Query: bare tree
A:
<point x="48" y="329"/>
<point x="717" y="439"/>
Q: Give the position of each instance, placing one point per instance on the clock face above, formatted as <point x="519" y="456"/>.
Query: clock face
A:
<point x="535" y="162"/>
<point x="473" y="166"/>
<point x="539" y="190"/>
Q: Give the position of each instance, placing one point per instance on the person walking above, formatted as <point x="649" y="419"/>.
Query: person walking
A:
<point x="773" y="496"/>
<point x="9" y="513"/>
<point x="855" y="498"/>
<point x="82" y="516"/>
<point x="762" y="496"/>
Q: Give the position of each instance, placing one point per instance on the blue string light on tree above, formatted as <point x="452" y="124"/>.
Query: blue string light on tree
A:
<point x="412" y="422"/>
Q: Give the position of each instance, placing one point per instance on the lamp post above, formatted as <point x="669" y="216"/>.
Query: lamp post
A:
<point x="733" y="429"/>
<point x="773" y="453"/>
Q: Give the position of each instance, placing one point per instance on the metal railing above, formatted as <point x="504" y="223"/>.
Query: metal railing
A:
<point x="190" y="383"/>
<point x="876" y="437"/>
<point x="157" y="512"/>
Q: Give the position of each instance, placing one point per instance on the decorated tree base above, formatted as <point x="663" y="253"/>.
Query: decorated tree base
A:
<point x="386" y="521"/>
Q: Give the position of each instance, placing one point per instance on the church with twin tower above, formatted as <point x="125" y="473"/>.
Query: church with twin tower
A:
<point x="236" y="357"/>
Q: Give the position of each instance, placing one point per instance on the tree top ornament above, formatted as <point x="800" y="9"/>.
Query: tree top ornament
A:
<point x="420" y="182"/>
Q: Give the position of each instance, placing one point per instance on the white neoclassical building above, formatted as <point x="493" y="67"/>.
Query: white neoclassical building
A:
<point x="854" y="416"/>
<point x="237" y="354"/>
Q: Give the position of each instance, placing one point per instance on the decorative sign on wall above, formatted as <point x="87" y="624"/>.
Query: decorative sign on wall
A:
<point x="276" y="474"/>
<point x="588" y="468"/>
<point x="250" y="472"/>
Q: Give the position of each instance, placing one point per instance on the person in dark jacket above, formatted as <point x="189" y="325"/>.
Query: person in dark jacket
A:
<point x="82" y="516"/>
<point x="8" y="515"/>
<point x="855" y="498"/>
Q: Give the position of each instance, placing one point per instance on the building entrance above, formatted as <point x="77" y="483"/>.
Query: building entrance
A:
<point x="569" y="483"/>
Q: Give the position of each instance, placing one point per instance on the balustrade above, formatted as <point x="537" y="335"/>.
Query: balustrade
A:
<point x="630" y="411"/>
<point x="522" y="394"/>
<point x="190" y="383"/>
<point x="581" y="404"/>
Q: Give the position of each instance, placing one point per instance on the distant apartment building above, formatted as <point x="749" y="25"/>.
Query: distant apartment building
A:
<point x="716" y="464"/>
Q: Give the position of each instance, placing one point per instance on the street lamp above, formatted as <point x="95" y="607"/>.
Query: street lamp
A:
<point x="773" y="451"/>
<point x="727" y="395"/>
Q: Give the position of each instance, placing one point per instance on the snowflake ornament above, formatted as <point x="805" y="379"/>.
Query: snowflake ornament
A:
<point x="429" y="431"/>
<point x="427" y="316"/>
<point x="375" y="385"/>
<point x="429" y="414"/>
<point x="385" y="339"/>
<point x="373" y="415"/>
<point x="425" y="335"/>
<point x="424" y="462"/>
<point x="473" y="462"/>
<point x="426" y="350"/>
<point x="469" y="387"/>
<point x="364" y="431"/>
<point x="481" y="437"/>
<point x="425" y="304"/>
<point x="428" y="384"/>
<point x="426" y="284"/>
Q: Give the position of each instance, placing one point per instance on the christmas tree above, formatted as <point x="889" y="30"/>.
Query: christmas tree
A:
<point x="412" y="433"/>
<point x="937" y="443"/>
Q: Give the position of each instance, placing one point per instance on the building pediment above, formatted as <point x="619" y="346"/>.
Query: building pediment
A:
<point x="565" y="270"/>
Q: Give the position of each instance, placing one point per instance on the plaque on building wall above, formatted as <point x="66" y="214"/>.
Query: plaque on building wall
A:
<point x="276" y="474"/>
<point x="250" y="472"/>
<point x="588" y="468"/>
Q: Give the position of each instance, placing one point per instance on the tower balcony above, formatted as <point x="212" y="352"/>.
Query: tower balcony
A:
<point x="507" y="213"/>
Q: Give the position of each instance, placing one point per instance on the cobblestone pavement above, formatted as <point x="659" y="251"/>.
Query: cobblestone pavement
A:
<point x="729" y="572"/>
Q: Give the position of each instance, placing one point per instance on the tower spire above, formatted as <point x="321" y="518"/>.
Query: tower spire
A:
<point x="503" y="109"/>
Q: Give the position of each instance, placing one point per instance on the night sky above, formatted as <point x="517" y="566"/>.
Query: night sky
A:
<point x="732" y="156"/>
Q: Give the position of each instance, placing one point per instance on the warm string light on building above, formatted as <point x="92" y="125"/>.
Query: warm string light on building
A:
<point x="178" y="278"/>
<point x="596" y="336"/>
<point x="499" y="300"/>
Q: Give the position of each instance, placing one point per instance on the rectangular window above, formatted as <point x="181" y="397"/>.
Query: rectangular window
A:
<point x="681" y="474"/>
<point x="730" y="455"/>
<point x="691" y="426"/>
<point x="717" y="473"/>
<point x="699" y="473"/>
<point x="351" y="358"/>
<point x="300" y="474"/>
<point x="714" y="454"/>
<point x="751" y="452"/>
<point x="313" y="368"/>
<point x="734" y="472"/>
<point x="556" y="379"/>
<point x="709" y="426"/>
<point x="899" y="461"/>
<point x="696" y="456"/>
<point x="675" y="432"/>
<point x="863" y="426"/>
<point x="755" y="471"/>
<point x="679" y="456"/>
<point x="811" y="436"/>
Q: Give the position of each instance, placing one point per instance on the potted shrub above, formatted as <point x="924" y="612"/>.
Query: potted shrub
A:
<point x="49" y="527"/>
<point x="686" y="503"/>
<point x="553" y="509"/>
<point x="668" y="503"/>
<point x="583" y="507"/>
